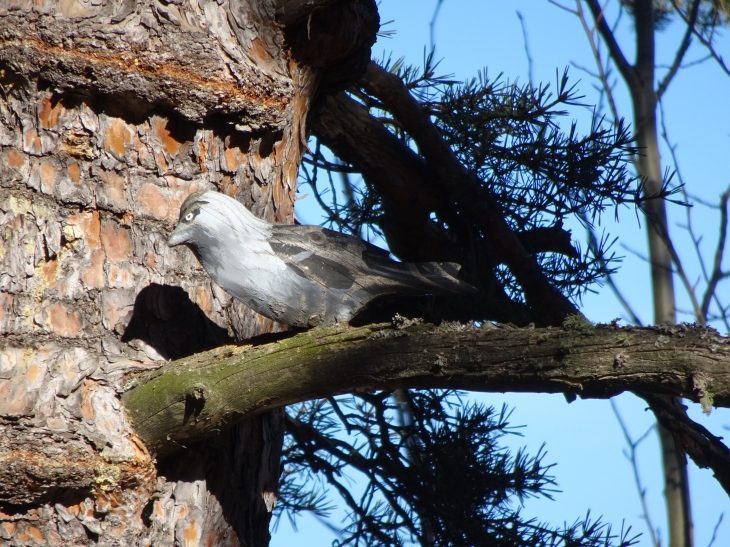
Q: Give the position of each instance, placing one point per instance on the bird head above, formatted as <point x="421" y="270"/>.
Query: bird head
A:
<point x="189" y="225"/>
<point x="209" y="220"/>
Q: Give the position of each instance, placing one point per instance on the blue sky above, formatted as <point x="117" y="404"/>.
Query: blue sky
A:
<point x="584" y="438"/>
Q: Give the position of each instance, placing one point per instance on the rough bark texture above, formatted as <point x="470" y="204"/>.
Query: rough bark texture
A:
<point x="111" y="113"/>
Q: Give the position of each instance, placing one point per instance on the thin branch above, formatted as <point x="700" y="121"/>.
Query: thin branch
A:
<point x="593" y="242"/>
<point x="527" y="46"/>
<point x="717" y="273"/>
<point x="432" y="24"/>
<point x="714" y="531"/>
<point x="683" y="47"/>
<point x="707" y="43"/>
<point x="602" y="72"/>
<point x="635" y="467"/>
<point x="562" y="7"/>
<point x="624" y="67"/>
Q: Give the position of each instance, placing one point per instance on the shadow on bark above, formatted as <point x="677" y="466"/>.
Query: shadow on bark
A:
<point x="239" y="467"/>
<point x="165" y="318"/>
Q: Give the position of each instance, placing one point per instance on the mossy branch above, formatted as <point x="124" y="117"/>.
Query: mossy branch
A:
<point x="193" y="398"/>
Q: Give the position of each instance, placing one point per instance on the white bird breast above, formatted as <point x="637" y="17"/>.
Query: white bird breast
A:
<point x="250" y="264"/>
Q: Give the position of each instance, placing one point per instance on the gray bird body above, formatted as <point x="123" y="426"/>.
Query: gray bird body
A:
<point x="299" y="275"/>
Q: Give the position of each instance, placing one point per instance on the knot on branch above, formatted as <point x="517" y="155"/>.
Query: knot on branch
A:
<point x="700" y="385"/>
<point x="195" y="397"/>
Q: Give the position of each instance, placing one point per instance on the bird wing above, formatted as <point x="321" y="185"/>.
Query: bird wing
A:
<point x="335" y="260"/>
<point x="342" y="261"/>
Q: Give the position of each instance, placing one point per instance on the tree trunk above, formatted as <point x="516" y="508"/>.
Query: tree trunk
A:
<point x="644" y="100"/>
<point x="111" y="113"/>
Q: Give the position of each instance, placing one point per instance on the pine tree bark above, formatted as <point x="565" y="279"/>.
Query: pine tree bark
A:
<point x="111" y="113"/>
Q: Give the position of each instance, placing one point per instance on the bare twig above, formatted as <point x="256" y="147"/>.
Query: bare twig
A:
<point x="432" y="24"/>
<point x="593" y="242"/>
<point x="682" y="50"/>
<point x="705" y="42"/>
<point x="633" y="445"/>
<point x="527" y="46"/>
<point x="714" y="531"/>
<point x="603" y="71"/>
<point x="717" y="273"/>
<point x="624" y="67"/>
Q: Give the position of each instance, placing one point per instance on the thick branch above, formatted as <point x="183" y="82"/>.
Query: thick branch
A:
<point x="193" y="398"/>
<point x="409" y="193"/>
<point x="705" y="449"/>
<point x="461" y="186"/>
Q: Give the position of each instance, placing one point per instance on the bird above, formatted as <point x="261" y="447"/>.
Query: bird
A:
<point x="300" y="275"/>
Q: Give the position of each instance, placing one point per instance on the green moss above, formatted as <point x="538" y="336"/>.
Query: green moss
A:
<point x="579" y="324"/>
<point x="566" y="348"/>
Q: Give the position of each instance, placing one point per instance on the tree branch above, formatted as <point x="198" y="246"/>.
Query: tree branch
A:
<point x="409" y="194"/>
<point x="459" y="185"/>
<point x="197" y="397"/>
<point x="683" y="47"/>
<point x="624" y="67"/>
<point x="705" y="449"/>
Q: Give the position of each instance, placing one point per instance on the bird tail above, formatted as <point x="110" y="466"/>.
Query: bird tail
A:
<point x="428" y="277"/>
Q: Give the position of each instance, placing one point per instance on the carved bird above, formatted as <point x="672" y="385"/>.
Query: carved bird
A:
<point x="303" y="276"/>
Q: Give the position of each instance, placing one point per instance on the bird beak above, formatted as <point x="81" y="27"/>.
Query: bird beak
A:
<point x="177" y="237"/>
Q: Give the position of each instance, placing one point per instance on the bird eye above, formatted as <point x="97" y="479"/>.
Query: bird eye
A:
<point x="189" y="217"/>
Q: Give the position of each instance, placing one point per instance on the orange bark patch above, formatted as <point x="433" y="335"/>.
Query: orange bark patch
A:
<point x="118" y="135"/>
<point x="232" y="162"/>
<point x="90" y="225"/>
<point x="9" y="527"/>
<point x="203" y="146"/>
<point x="7" y="302"/>
<point x="151" y="263"/>
<point x="35" y="533"/>
<point x="74" y="509"/>
<point x="33" y="373"/>
<point x="114" y="188"/>
<point x="169" y="144"/>
<point x="87" y="411"/>
<point x="158" y="509"/>
<point x="116" y="242"/>
<point x="14" y="159"/>
<point x="22" y="536"/>
<point x="258" y="52"/>
<point x="153" y="201"/>
<point x="75" y="173"/>
<point x="202" y="299"/>
<point x="48" y="177"/>
<point x="93" y="276"/>
<point x="63" y="322"/>
<point x="160" y="161"/>
<point x="191" y="532"/>
<point x="228" y="186"/>
<point x="48" y="114"/>
<point x="50" y="269"/>
<point x="32" y="141"/>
